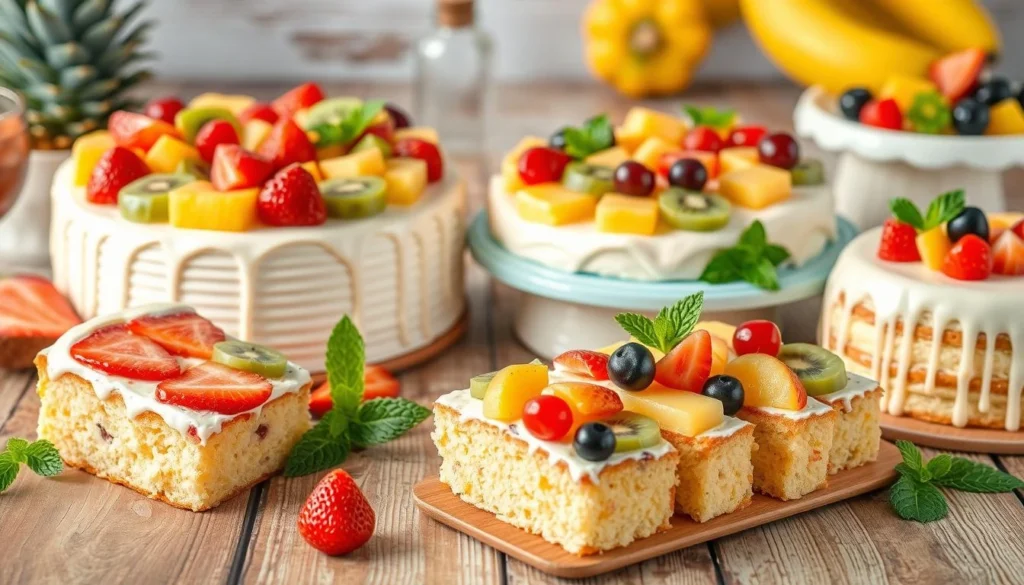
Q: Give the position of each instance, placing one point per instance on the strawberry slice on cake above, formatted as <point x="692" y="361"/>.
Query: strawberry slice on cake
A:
<point x="32" y="316"/>
<point x="116" y="351"/>
<point x="216" y="388"/>
<point x="184" y="333"/>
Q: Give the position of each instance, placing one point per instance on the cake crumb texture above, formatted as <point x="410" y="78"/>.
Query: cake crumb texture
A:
<point x="715" y="474"/>
<point x="857" y="432"/>
<point x="791" y="459"/>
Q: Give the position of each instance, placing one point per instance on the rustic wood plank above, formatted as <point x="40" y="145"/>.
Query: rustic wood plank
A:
<point x="13" y="385"/>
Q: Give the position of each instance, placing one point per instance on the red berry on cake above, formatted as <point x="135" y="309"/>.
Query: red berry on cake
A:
<point x="882" y="114"/>
<point x="757" y="336"/>
<point x="547" y="417"/>
<point x="969" y="259"/>
<point x="287" y="144"/>
<point x="320" y="400"/>
<point x="298" y="98"/>
<point x="1008" y="254"/>
<point x="291" y="198"/>
<point x="1018" y="228"/>
<point x="116" y="351"/>
<point x="212" y="134"/>
<point x="184" y="333"/>
<point x="258" y="111"/>
<point x="703" y="138"/>
<point x="899" y="242"/>
<point x="957" y="74"/>
<point x="592" y="364"/>
<point x="132" y="130"/>
<point x="746" y="135"/>
<point x="379" y="383"/>
<point x="427" y="152"/>
<point x="115" y="169"/>
<point x="336" y="518"/>
<point x="216" y="388"/>
<point x="688" y="365"/>
<point x="236" y="168"/>
<point x="164" y="109"/>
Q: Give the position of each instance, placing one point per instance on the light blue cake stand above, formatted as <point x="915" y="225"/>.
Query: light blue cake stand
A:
<point x="561" y="310"/>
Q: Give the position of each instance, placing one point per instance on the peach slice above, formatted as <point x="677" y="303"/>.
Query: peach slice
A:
<point x="588" y="402"/>
<point x="719" y="355"/>
<point x="511" y="388"/>
<point x="767" y="381"/>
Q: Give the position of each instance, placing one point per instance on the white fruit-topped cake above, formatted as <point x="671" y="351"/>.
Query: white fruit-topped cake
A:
<point x="273" y="220"/>
<point x="661" y="197"/>
<point x="929" y="304"/>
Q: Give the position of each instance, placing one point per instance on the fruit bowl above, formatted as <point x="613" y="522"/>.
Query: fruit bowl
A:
<point x="875" y="163"/>
<point x="561" y="310"/>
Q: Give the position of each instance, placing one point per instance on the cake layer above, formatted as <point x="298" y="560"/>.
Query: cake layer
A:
<point x="803" y="225"/>
<point x="398" y="274"/>
<point x="715" y="470"/>
<point x="857" y="433"/>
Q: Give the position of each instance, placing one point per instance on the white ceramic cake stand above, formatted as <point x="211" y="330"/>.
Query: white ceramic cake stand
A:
<point x="876" y="164"/>
<point x="561" y="311"/>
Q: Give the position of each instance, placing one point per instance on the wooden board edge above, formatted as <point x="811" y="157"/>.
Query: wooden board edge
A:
<point x="950" y="438"/>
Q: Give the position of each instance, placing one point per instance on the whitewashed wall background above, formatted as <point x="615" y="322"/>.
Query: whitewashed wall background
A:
<point x="257" y="40"/>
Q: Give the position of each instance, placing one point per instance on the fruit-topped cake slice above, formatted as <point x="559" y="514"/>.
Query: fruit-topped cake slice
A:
<point x="160" y="400"/>
<point x="32" y="316"/>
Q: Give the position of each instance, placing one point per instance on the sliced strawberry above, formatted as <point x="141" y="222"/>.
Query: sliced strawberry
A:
<point x="132" y="130"/>
<point x="899" y="242"/>
<point x="746" y="135"/>
<point x="1008" y="254"/>
<point x="291" y="198"/>
<point x="379" y="383"/>
<point x="703" y="138"/>
<point x="258" y="111"/>
<point x="185" y="333"/>
<point x="115" y="351"/>
<point x="1018" y="228"/>
<point x="297" y="99"/>
<point x="216" y="388"/>
<point x="592" y="364"/>
<point x="320" y="400"/>
<point x="236" y="168"/>
<point x="287" y="144"/>
<point x="115" y="169"/>
<point x="970" y="258"/>
<point x="882" y="114"/>
<point x="164" y="109"/>
<point x="957" y="73"/>
<point x="688" y="365"/>
<point x="212" y="134"/>
<point x="384" y="130"/>
<point x="31" y="307"/>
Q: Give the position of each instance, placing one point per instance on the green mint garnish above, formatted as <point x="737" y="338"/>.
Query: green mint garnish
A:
<point x="595" y="135"/>
<point x="350" y="126"/>
<point x="709" y="116"/>
<point x="669" y="327"/>
<point x="752" y="260"/>
<point x="351" y="423"/>
<point x="40" y="456"/>
<point x="916" y="495"/>
<point x="942" y="209"/>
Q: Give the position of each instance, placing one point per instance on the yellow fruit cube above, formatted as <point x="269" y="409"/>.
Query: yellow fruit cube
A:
<point x="422" y="132"/>
<point x="646" y="122"/>
<point x="737" y="157"/>
<point x="624" y="214"/>
<point x="406" y="180"/>
<point x="199" y="206"/>
<point x="609" y="157"/>
<point x="254" y="133"/>
<point x="933" y="245"/>
<point x="358" y="164"/>
<point x="167" y="153"/>
<point x="686" y="413"/>
<point x="628" y="140"/>
<point x="314" y="169"/>
<point x="904" y="89"/>
<point x="87" y="151"/>
<point x="1005" y="118"/>
<point x="333" y="151"/>
<point x="553" y="204"/>
<point x="235" y="104"/>
<point x="511" y="388"/>
<point x="756" y="187"/>
<point x="651" y="151"/>
<point x="510" y="164"/>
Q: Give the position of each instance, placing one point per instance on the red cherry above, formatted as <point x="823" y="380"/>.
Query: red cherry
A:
<point x="746" y="135"/>
<point x="882" y="114"/>
<point x="213" y="133"/>
<point x="633" y="178"/>
<point x="779" y="150"/>
<point x="164" y="109"/>
<point x="758" y="336"/>
<point x="703" y="138"/>
<point x="547" y="417"/>
<point x="425" y="151"/>
<point x="542" y="165"/>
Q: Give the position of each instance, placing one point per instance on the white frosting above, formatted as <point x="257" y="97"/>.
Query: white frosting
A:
<point x="905" y="292"/>
<point x="856" y="386"/>
<point x="398" y="274"/>
<point x="803" y="225"/>
<point x="140" y="396"/>
<point x="811" y="409"/>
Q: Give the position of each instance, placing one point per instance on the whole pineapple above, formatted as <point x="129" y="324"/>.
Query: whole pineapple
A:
<point x="72" y="60"/>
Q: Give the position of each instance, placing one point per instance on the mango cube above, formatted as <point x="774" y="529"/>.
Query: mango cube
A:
<point x="406" y="180"/>
<point x="649" y="153"/>
<point x="87" y="151"/>
<point x="628" y="140"/>
<point x="609" y="157"/>
<point x="313" y="168"/>
<point x="738" y="157"/>
<point x="756" y="187"/>
<point x="685" y="413"/>
<point x="904" y="88"/>
<point x="357" y="164"/>
<point x="624" y="214"/>
<point x="553" y="204"/>
<point x="1005" y="118"/>
<point x="511" y="388"/>
<point x="254" y="133"/>
<point x="236" y="104"/>
<point x="510" y="164"/>
<point x="199" y="206"/>
<point x="646" y="122"/>
<point x="168" y="152"/>
<point x="933" y="245"/>
<point x="422" y="132"/>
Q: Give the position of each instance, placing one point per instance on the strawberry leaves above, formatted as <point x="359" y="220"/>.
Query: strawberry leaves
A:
<point x="669" y="327"/>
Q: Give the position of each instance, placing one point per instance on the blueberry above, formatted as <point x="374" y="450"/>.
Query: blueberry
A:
<point x="594" y="441"/>
<point x="970" y="221"/>
<point x="993" y="91"/>
<point x="970" y="117"/>
<point x="851" y="102"/>
<point x="728" y="390"/>
<point x="557" y="140"/>
<point x="631" y="367"/>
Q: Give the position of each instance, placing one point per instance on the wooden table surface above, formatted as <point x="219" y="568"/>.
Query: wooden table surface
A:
<point x="78" y="529"/>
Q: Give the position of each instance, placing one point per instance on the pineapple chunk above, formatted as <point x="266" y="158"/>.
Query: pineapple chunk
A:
<point x="406" y="180"/>
<point x="201" y="207"/>
<point x="1006" y="117"/>
<point x="686" y="413"/>
<point x="511" y="388"/>
<point x="313" y="168"/>
<point x="738" y="157"/>
<point x="628" y="140"/>
<point x="358" y="164"/>
<point x="756" y="187"/>
<point x="254" y="133"/>
<point x="510" y="164"/>
<point x="646" y="122"/>
<point x="651" y="151"/>
<point x="87" y="151"/>
<point x="933" y="245"/>
<point x="718" y="329"/>
<point x="553" y="204"/>
<point x="167" y="153"/>
<point x="904" y="88"/>
<point x="609" y="157"/>
<point x="236" y="104"/>
<point x="422" y="132"/>
<point x="623" y="214"/>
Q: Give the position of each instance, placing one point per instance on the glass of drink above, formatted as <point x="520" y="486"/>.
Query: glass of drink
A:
<point x="14" y="147"/>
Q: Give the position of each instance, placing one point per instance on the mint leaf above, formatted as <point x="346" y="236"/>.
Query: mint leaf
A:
<point x="710" y="116"/>
<point x="939" y="466"/>
<point x="970" y="476"/>
<point x="350" y="126"/>
<point x="595" y="135"/>
<point x="905" y="211"/>
<point x="16" y="447"/>
<point x="317" y="450"/>
<point x="577" y="143"/>
<point x="752" y="260"/>
<point x="682" y="316"/>
<point x="384" y="419"/>
<point x="912" y="459"/>
<point x="344" y="362"/>
<point x="776" y="254"/>
<point x="9" y="468"/>
<point x="762" y="275"/>
<point x="663" y="332"/>
<point x="918" y="501"/>
<point x="639" y="327"/>
<point x="725" y="266"/>
<point x="42" y="458"/>
<point x="754" y="236"/>
<point x="944" y="208"/>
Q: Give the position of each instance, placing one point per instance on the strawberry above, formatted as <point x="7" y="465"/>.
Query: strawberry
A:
<point x="899" y="242"/>
<point x="592" y="364"/>
<point x="31" y="307"/>
<point x="425" y="151"/>
<point x="377" y="383"/>
<point x="287" y="144"/>
<point x="215" y="387"/>
<point x="185" y="333"/>
<point x="336" y="518"/>
<point x="164" y="109"/>
<point x="957" y="74"/>
<point x="212" y="134"/>
<point x="236" y="168"/>
<point x="746" y="135"/>
<point x="297" y="99"/>
<point x="258" y="111"/>
<point x="970" y="258"/>
<point x="291" y="198"/>
<point x="688" y="365"/>
<point x="320" y="400"/>
<point x="115" y="351"/>
<point x="383" y="130"/>
<point x="132" y="130"/>
<point x="1008" y="254"/>
<point x="882" y="114"/>
<point x="115" y="169"/>
<point x="1018" y="228"/>
<point x="703" y="138"/>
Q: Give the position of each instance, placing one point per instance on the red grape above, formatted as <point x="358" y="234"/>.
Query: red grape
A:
<point x="398" y="117"/>
<point x="633" y="178"/>
<point x="758" y="336"/>
<point x="779" y="150"/>
<point x="542" y="165"/>
<point x="703" y="138"/>
<point x="688" y="173"/>
<point x="746" y="135"/>
<point x="547" y="417"/>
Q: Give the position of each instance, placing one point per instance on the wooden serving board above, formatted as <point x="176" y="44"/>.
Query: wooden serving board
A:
<point x="436" y="500"/>
<point x="950" y="438"/>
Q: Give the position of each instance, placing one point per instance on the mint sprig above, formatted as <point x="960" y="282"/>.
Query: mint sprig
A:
<point x="350" y="126"/>
<point x="669" y="327"/>
<point x="942" y="209"/>
<point x="710" y="116"/>
<point x="916" y="495"/>
<point x="753" y="259"/>
<point x="595" y="135"/>
<point x="351" y="423"/>
<point x="40" y="456"/>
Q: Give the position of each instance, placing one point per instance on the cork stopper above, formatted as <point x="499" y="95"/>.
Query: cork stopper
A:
<point x="455" y="13"/>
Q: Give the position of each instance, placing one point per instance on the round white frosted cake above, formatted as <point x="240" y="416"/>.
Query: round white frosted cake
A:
<point x="398" y="274"/>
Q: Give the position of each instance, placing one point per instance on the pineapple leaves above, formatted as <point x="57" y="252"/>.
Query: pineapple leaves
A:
<point x="75" y="78"/>
<point x="89" y="13"/>
<point x="46" y="25"/>
<point x="67" y="55"/>
<point x="99" y="36"/>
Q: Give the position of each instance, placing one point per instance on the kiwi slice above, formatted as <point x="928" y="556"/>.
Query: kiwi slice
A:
<point x="330" y="111"/>
<point x="373" y="141"/>
<point x="633" y="431"/>
<point x="354" y="197"/>
<point x="197" y="168"/>
<point x="808" y="171"/>
<point x="250" y="357"/>
<point x="587" y="178"/>
<point x="478" y="385"/>
<point x="146" y="200"/>
<point x="693" y="211"/>
<point x="190" y="120"/>
<point x="820" y="370"/>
